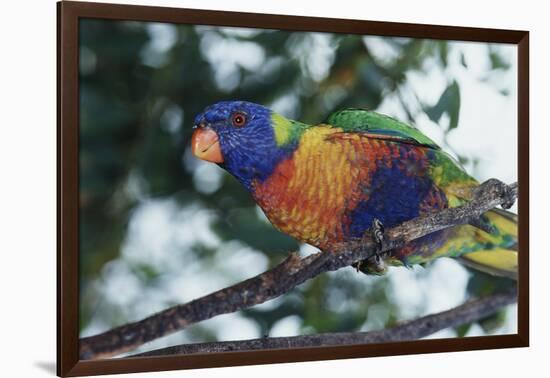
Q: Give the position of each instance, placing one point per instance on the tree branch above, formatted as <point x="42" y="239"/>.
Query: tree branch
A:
<point x="288" y="274"/>
<point x="466" y="313"/>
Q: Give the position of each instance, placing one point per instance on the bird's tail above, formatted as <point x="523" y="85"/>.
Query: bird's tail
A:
<point x="494" y="251"/>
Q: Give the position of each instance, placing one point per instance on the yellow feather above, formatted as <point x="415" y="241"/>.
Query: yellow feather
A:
<point x="282" y="128"/>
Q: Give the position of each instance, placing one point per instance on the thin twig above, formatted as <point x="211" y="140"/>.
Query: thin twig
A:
<point x="288" y="274"/>
<point x="466" y="313"/>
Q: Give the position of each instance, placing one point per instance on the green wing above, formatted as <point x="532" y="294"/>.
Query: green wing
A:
<point x="378" y="126"/>
<point x="446" y="172"/>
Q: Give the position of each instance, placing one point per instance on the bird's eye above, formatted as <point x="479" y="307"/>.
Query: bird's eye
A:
<point x="238" y="119"/>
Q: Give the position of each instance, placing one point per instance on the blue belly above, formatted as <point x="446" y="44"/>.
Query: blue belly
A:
<point x="393" y="196"/>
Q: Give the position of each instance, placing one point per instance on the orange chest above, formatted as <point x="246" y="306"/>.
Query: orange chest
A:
<point x="308" y="195"/>
<point x="298" y="206"/>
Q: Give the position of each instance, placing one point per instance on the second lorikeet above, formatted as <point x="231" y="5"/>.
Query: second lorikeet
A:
<point x="357" y="172"/>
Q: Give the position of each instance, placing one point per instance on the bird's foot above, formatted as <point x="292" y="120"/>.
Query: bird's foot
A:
<point x="509" y="196"/>
<point x="374" y="264"/>
<point x="504" y="190"/>
<point x="377" y="232"/>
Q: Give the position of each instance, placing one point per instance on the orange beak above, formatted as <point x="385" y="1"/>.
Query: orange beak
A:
<point x="205" y="145"/>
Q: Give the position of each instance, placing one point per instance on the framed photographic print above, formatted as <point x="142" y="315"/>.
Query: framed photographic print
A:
<point x="238" y="188"/>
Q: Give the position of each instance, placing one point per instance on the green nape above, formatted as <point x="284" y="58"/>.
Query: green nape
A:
<point x="447" y="171"/>
<point x="361" y="120"/>
<point x="286" y="131"/>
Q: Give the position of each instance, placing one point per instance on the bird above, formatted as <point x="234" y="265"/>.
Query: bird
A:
<point x="357" y="173"/>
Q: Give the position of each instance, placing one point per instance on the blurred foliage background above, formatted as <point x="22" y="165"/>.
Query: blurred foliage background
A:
<point x="158" y="227"/>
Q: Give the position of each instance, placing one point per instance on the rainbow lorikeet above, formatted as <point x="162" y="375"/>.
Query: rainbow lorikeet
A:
<point x="357" y="172"/>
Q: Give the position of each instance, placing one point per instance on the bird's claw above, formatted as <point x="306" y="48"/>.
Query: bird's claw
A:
<point x="504" y="191"/>
<point x="377" y="233"/>
<point x="374" y="264"/>
<point x="509" y="197"/>
<point x="377" y="263"/>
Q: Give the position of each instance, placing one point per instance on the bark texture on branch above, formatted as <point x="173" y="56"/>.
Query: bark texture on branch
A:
<point x="469" y="312"/>
<point x="288" y="274"/>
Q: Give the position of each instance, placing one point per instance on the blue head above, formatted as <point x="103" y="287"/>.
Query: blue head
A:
<point x="246" y="139"/>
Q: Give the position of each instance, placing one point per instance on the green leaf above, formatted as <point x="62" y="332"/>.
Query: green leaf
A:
<point x="443" y="52"/>
<point x="493" y="322"/>
<point x="463" y="329"/>
<point x="449" y="103"/>
<point x="497" y="61"/>
<point x="463" y="60"/>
